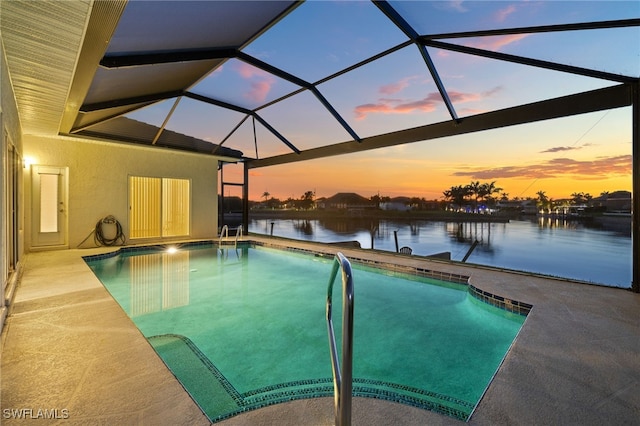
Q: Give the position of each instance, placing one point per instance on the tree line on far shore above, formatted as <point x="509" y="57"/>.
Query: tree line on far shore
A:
<point x="473" y="194"/>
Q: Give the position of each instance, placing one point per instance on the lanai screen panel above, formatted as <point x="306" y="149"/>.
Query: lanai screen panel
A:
<point x="278" y="78"/>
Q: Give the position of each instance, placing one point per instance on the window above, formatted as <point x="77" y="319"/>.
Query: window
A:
<point x="159" y="207"/>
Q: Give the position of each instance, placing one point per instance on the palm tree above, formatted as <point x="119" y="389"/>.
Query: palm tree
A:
<point x="475" y="189"/>
<point x="487" y="190"/>
<point x="457" y="194"/>
<point x="577" y="197"/>
<point x="587" y="198"/>
<point x="543" y="201"/>
<point x="265" y="195"/>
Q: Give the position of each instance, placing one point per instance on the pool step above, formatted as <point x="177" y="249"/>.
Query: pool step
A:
<point x="206" y="385"/>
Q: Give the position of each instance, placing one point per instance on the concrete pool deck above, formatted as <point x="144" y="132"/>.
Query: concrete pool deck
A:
<point x="68" y="348"/>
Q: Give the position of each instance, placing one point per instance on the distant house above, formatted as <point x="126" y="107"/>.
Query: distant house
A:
<point x="402" y="204"/>
<point x="347" y="201"/>
<point x="617" y="201"/>
<point x="522" y="206"/>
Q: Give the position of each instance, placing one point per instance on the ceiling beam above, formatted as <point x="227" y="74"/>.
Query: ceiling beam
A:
<point x="221" y="104"/>
<point x="411" y="33"/>
<point x="134" y="60"/>
<point x="116" y="103"/>
<point x="302" y="83"/>
<point x="581" y="103"/>
<point x="532" y="62"/>
<point x="598" y="25"/>
<point x="243" y="111"/>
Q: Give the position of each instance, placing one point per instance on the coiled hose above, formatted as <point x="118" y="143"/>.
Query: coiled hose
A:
<point x="98" y="235"/>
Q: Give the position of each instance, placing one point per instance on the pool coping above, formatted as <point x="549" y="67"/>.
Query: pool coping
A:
<point x="573" y="362"/>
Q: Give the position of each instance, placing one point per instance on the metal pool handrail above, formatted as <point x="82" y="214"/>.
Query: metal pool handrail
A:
<point x="238" y="234"/>
<point x="342" y="376"/>
<point x="223" y="233"/>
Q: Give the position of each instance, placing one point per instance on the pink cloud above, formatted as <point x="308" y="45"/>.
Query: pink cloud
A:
<point x="261" y="81"/>
<point x="396" y="87"/>
<point x="249" y="71"/>
<point x="259" y="90"/>
<point x="361" y="111"/>
<point x="427" y="104"/>
<point x="457" y="5"/>
<point x="502" y="14"/>
<point x="463" y="97"/>
<point x="496" y="42"/>
<point x="424" y="105"/>
<point x="398" y="106"/>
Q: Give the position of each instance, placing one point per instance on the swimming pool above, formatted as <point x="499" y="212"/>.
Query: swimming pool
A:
<point x="243" y="329"/>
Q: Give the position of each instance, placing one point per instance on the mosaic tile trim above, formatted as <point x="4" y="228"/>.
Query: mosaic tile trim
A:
<point x="285" y="392"/>
<point x="208" y="364"/>
<point x="323" y="387"/>
<point x="411" y="401"/>
<point x="417" y="391"/>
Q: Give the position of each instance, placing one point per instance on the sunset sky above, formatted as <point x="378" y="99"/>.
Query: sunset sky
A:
<point x="589" y="153"/>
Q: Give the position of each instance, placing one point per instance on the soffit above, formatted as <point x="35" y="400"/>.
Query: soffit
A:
<point x="41" y="42"/>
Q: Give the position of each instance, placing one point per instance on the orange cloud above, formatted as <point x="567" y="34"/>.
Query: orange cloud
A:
<point x="599" y="168"/>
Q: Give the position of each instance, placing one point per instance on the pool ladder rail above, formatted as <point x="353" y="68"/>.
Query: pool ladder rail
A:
<point x="224" y="235"/>
<point x="342" y="375"/>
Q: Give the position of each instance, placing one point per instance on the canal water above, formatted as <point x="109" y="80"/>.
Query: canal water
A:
<point x="594" y="252"/>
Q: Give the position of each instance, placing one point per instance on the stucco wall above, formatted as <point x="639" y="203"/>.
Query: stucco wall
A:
<point x="98" y="182"/>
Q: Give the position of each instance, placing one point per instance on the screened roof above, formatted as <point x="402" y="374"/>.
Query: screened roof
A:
<point x="276" y="81"/>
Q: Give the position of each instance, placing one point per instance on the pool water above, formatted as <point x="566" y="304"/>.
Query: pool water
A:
<point x="246" y="328"/>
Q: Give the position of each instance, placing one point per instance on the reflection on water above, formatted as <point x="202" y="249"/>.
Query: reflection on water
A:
<point x="159" y="281"/>
<point x="554" y="222"/>
<point x="304" y="227"/>
<point x="470" y="232"/>
<point x="351" y="225"/>
<point x="598" y="251"/>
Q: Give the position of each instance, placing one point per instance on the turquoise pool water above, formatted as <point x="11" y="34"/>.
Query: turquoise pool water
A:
<point x="246" y="328"/>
